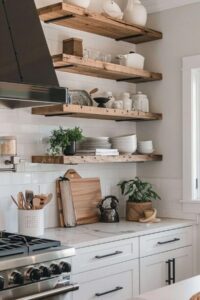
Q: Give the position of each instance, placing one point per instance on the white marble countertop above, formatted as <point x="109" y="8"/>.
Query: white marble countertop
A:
<point x="183" y="290"/>
<point x="98" y="233"/>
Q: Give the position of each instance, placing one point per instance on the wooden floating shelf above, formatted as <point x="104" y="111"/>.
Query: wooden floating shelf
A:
<point x="91" y="112"/>
<point x="90" y="67"/>
<point x="88" y="159"/>
<point x="81" y="19"/>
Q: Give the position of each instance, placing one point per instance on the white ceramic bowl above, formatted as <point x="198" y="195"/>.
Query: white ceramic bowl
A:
<point x="145" y="144"/>
<point x="129" y="149"/>
<point x="81" y="3"/>
<point x="145" y="151"/>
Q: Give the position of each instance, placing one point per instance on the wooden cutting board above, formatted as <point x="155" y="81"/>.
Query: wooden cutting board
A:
<point x="86" y="194"/>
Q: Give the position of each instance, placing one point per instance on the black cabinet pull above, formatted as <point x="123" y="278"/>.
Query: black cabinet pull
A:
<point x="168" y="242"/>
<point x="174" y="270"/>
<point x="118" y="288"/>
<point x="168" y="281"/>
<point x="107" y="255"/>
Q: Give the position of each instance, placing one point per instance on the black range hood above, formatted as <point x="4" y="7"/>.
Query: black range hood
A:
<point x="27" y="75"/>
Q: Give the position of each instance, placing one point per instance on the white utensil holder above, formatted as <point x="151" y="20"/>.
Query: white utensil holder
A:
<point x="31" y="222"/>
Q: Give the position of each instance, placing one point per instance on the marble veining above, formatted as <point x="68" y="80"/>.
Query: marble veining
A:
<point x="98" y="233"/>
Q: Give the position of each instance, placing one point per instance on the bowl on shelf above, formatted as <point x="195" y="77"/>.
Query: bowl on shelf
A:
<point x="125" y="144"/>
<point x="145" y="147"/>
<point x="101" y="101"/>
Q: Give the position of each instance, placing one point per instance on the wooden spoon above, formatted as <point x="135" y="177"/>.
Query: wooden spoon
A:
<point x="36" y="203"/>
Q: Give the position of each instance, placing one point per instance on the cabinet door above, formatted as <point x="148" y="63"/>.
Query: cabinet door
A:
<point x="159" y="270"/>
<point x="120" y="281"/>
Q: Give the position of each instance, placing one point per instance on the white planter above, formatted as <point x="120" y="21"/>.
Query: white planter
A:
<point x="135" y="13"/>
<point x="81" y="3"/>
<point x="31" y="222"/>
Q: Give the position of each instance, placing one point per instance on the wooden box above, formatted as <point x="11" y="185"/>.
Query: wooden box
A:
<point x="73" y="46"/>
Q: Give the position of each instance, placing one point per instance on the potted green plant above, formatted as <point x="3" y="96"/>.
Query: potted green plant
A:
<point x="64" y="140"/>
<point x="140" y="195"/>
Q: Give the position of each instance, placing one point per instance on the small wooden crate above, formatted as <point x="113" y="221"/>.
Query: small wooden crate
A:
<point x="73" y="46"/>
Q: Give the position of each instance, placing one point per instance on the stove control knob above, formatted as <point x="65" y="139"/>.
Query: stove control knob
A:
<point x="33" y="274"/>
<point x="65" y="267"/>
<point x="55" y="269"/>
<point x="1" y="283"/>
<point x="16" y="278"/>
<point x="45" y="272"/>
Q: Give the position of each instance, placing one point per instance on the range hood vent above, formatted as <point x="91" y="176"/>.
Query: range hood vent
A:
<point x="27" y="75"/>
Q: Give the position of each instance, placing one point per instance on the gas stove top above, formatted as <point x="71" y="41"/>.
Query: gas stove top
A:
<point x="13" y="244"/>
<point x="31" y="266"/>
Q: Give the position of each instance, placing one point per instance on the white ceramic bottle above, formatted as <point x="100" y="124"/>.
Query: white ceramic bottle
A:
<point x="140" y="102"/>
<point x="135" y="13"/>
<point x="127" y="101"/>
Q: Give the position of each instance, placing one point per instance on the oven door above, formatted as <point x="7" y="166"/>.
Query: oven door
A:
<point x="51" y="289"/>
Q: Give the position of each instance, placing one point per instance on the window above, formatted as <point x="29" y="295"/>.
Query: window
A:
<point x="191" y="129"/>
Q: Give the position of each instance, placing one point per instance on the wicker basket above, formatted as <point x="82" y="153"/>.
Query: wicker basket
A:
<point x="135" y="211"/>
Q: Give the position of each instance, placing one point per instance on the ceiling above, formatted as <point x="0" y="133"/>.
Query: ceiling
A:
<point x="159" y="5"/>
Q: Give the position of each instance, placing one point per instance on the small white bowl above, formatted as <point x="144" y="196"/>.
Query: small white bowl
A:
<point x="146" y="151"/>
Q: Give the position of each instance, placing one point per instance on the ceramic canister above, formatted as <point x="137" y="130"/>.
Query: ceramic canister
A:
<point x="135" y="13"/>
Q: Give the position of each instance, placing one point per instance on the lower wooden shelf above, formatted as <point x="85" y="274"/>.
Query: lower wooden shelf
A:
<point x="92" y="159"/>
<point x="92" y="112"/>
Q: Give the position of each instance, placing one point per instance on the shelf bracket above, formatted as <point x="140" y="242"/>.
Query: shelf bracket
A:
<point x="64" y="66"/>
<point x="59" y="19"/>
<point x="130" y="79"/>
<point x="125" y="38"/>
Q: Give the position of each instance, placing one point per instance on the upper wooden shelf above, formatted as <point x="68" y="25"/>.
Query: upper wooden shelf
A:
<point x="90" y="67"/>
<point x="91" y="112"/>
<point x="92" y="159"/>
<point x="78" y="18"/>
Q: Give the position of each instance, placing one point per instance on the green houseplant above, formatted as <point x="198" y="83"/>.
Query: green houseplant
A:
<point x="140" y="195"/>
<point x="64" y="140"/>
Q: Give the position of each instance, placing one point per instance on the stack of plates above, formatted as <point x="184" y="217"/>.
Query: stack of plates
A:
<point x="125" y="143"/>
<point x="90" y="144"/>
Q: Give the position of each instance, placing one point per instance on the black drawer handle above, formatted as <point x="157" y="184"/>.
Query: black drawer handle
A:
<point x="167" y="242"/>
<point x="107" y="255"/>
<point x="118" y="288"/>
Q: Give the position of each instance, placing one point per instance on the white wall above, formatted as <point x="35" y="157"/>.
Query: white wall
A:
<point x="180" y="27"/>
<point x="32" y="130"/>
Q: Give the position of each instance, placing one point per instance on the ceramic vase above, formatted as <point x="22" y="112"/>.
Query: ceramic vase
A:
<point x="135" y="13"/>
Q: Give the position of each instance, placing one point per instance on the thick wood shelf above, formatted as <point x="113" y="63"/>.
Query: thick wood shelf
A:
<point x="78" y="18"/>
<point x="88" y="159"/>
<point x="90" y="67"/>
<point x="91" y="112"/>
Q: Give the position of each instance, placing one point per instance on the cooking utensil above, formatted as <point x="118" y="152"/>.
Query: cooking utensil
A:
<point x="101" y="101"/>
<point x="21" y="200"/>
<point x="108" y="209"/>
<point x="36" y="203"/>
<point x="94" y="91"/>
<point x="29" y="195"/>
<point x="13" y="199"/>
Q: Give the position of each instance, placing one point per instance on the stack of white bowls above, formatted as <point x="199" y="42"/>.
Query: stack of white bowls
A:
<point x="93" y="143"/>
<point x="125" y="144"/>
<point x="145" y="147"/>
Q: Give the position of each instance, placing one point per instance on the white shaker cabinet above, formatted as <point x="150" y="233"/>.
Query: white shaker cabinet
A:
<point x="117" y="282"/>
<point x="169" y="258"/>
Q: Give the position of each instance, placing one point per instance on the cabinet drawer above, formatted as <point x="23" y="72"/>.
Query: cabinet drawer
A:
<point x="165" y="241"/>
<point x="99" y="256"/>
<point x="118" y="282"/>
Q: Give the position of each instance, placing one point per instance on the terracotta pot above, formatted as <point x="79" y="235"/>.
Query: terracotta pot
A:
<point x="135" y="211"/>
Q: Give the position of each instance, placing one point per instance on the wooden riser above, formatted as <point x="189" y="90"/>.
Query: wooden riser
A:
<point x="90" y="67"/>
<point x="78" y="18"/>
<point x="89" y="159"/>
<point x="90" y="112"/>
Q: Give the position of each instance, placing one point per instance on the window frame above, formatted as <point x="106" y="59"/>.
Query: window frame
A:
<point x="189" y="64"/>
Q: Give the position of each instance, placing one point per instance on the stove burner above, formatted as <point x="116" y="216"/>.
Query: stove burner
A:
<point x="13" y="244"/>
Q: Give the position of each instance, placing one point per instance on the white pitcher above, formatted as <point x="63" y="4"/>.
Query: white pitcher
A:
<point x="135" y="13"/>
